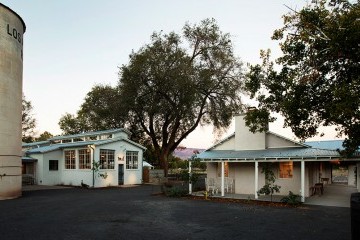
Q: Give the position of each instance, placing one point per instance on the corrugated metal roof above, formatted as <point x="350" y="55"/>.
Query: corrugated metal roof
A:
<point x="329" y="144"/>
<point x="34" y="144"/>
<point x="26" y="159"/>
<point x="111" y="131"/>
<point x="58" y="146"/>
<point x="274" y="153"/>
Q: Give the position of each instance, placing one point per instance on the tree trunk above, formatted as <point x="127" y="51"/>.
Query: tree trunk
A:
<point x="164" y="163"/>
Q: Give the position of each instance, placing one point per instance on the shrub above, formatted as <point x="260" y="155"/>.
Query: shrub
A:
<point x="176" y="191"/>
<point x="292" y="199"/>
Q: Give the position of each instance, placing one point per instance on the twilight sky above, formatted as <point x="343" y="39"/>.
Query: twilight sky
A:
<point x="71" y="45"/>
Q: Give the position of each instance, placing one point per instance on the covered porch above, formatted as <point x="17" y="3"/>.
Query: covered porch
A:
<point x="334" y="195"/>
<point x="313" y="179"/>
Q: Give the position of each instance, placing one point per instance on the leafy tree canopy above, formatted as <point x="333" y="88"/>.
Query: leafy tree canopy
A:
<point x="178" y="82"/>
<point x="28" y="121"/>
<point x="169" y="87"/>
<point x="318" y="82"/>
<point x="101" y="110"/>
<point x="44" y="136"/>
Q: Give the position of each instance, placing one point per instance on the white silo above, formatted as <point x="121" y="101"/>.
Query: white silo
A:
<point x="12" y="28"/>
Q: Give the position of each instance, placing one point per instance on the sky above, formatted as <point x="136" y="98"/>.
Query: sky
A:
<point x="72" y="45"/>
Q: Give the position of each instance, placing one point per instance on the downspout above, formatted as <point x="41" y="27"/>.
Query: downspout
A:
<point x="93" y="164"/>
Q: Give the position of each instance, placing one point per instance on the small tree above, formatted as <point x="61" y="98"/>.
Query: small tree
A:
<point x="270" y="187"/>
<point x="28" y="121"/>
<point x="96" y="172"/>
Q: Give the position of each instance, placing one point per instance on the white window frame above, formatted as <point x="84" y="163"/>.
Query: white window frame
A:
<point x="84" y="156"/>
<point x="72" y="161"/>
<point x="132" y="160"/>
<point x="107" y="159"/>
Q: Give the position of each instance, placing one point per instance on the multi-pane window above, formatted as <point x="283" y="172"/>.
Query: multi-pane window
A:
<point x="286" y="170"/>
<point x="132" y="160"/>
<point x="53" y="165"/>
<point x="84" y="159"/>
<point x="107" y="159"/>
<point x="69" y="159"/>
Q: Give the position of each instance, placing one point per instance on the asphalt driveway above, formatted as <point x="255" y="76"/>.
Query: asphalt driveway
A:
<point x="134" y="213"/>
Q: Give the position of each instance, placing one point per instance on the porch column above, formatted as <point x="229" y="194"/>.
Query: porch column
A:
<point x="222" y="179"/>
<point x="320" y="173"/>
<point x="302" y="181"/>
<point x="256" y="179"/>
<point x="190" y="183"/>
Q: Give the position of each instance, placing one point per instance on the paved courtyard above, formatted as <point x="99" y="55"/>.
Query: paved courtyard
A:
<point x="134" y="213"/>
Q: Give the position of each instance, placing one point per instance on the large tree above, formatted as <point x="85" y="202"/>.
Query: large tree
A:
<point x="178" y="82"/>
<point x="169" y="87"/>
<point x="318" y="82"/>
<point x="28" y="121"/>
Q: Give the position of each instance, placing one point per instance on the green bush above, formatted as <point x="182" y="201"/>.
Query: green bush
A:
<point x="292" y="199"/>
<point x="176" y="191"/>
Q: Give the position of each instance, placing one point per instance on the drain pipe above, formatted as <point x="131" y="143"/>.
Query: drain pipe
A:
<point x="93" y="164"/>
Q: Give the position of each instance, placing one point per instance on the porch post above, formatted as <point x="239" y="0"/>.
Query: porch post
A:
<point x="190" y="183"/>
<point x="302" y="181"/>
<point x="256" y="179"/>
<point x="222" y="179"/>
<point x="320" y="173"/>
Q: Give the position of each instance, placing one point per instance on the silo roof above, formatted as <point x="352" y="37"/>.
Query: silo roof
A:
<point x="22" y="21"/>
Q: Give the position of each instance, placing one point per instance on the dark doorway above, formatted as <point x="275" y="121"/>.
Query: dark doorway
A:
<point x="121" y="174"/>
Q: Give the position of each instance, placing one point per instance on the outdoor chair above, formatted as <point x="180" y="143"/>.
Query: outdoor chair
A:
<point x="211" y="185"/>
<point x="228" y="184"/>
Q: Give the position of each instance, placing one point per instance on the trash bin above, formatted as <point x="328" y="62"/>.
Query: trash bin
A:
<point x="355" y="216"/>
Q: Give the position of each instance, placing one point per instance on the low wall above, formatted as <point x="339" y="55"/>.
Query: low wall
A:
<point x="156" y="176"/>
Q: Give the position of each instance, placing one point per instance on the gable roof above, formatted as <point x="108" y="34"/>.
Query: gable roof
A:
<point x="267" y="132"/>
<point x="221" y="141"/>
<point x="288" y="139"/>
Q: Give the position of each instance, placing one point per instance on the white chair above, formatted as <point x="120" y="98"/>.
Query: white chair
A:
<point x="228" y="184"/>
<point x="211" y="185"/>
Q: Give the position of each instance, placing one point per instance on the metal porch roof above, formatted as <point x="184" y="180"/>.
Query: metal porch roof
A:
<point x="274" y="153"/>
<point x="328" y="144"/>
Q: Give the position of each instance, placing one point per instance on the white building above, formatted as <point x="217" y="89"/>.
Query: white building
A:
<point x="237" y="161"/>
<point x="69" y="160"/>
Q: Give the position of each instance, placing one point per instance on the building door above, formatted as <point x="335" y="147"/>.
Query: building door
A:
<point x="121" y="174"/>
